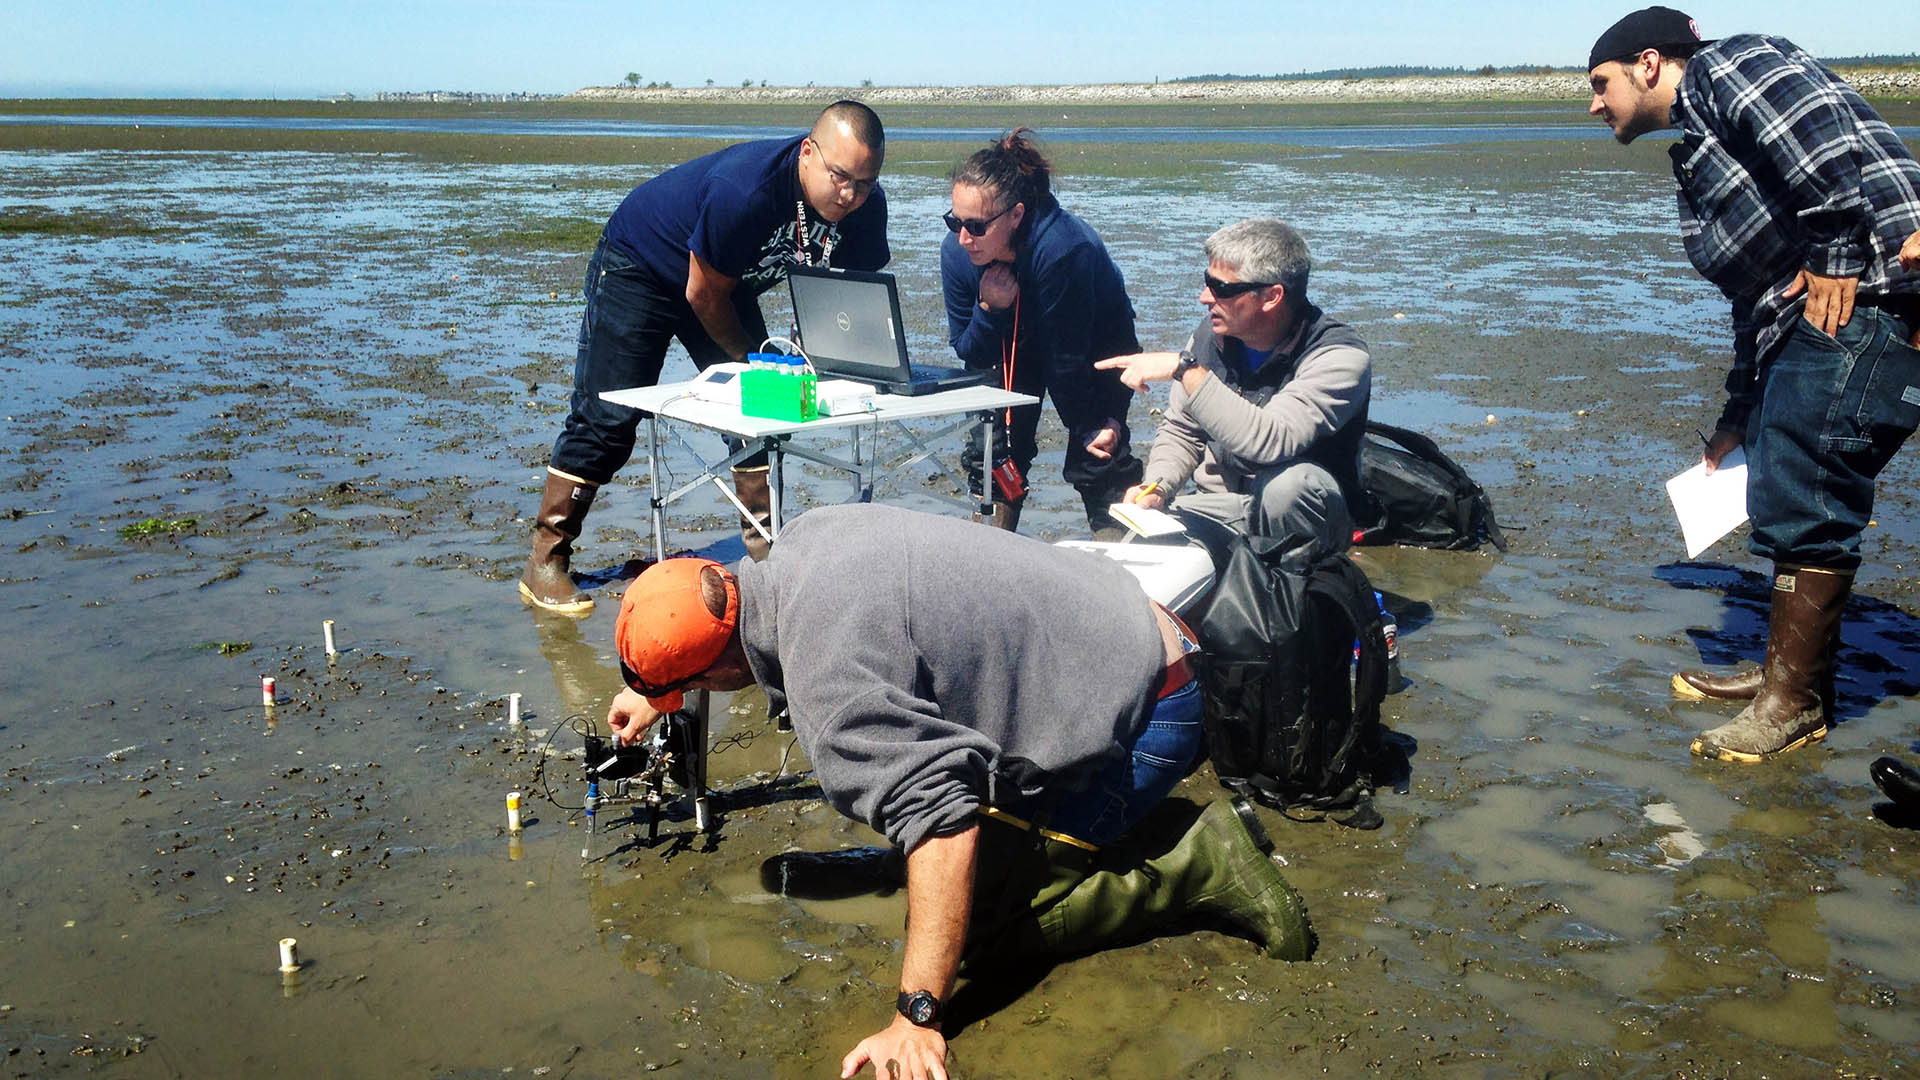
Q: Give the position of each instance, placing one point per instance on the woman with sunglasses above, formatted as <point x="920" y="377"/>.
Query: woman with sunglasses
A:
<point x="1031" y="292"/>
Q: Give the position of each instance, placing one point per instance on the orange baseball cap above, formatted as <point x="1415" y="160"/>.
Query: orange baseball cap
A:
<point x="665" y="635"/>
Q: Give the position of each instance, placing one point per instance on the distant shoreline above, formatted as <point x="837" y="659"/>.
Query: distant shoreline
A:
<point x="1426" y="88"/>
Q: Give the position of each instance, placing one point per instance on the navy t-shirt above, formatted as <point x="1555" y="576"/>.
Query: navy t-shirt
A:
<point x="736" y="209"/>
<point x="1251" y="359"/>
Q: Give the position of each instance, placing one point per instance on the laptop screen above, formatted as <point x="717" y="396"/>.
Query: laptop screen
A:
<point x="849" y="323"/>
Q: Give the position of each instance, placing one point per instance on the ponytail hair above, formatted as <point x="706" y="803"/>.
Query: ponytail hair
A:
<point x="1012" y="168"/>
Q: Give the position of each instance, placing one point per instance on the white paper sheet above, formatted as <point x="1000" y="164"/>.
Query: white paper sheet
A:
<point x="1144" y="520"/>
<point x="1710" y="507"/>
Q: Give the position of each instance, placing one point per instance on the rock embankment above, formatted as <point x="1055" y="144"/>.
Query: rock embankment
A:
<point x="1872" y="84"/>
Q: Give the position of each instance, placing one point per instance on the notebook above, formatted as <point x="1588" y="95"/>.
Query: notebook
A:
<point x="849" y="323"/>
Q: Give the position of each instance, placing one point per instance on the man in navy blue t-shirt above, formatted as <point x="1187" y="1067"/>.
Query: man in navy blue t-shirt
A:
<point x="687" y="255"/>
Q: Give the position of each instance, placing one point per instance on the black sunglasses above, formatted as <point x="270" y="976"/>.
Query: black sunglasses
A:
<point x="645" y="689"/>
<point x="1227" y="290"/>
<point x="974" y="228"/>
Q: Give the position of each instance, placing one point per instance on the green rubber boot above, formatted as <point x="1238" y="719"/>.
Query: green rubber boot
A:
<point x="1214" y="876"/>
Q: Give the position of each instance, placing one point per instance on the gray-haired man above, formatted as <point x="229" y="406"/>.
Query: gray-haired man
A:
<point x="1269" y="403"/>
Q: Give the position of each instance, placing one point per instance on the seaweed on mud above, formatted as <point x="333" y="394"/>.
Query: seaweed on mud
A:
<point x="534" y="234"/>
<point x="226" y="648"/>
<point x="57" y="223"/>
<point x="152" y="527"/>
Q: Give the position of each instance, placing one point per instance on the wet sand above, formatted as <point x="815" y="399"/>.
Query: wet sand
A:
<point x="319" y="383"/>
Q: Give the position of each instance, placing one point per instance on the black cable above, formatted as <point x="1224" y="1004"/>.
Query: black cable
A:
<point x="579" y="724"/>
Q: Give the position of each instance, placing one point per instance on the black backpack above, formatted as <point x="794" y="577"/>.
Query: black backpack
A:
<point x="1421" y="496"/>
<point x="1291" y="718"/>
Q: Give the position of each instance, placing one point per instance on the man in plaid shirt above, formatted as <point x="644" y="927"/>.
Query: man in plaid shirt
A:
<point x="1795" y="198"/>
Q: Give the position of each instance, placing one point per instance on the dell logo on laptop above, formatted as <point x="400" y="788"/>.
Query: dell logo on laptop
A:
<point x="840" y="320"/>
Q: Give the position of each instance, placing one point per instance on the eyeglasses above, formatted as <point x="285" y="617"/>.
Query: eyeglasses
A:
<point x="841" y="178"/>
<point x="1227" y="290"/>
<point x="974" y="228"/>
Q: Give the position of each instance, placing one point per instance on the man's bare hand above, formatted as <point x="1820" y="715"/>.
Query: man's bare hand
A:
<point x="900" y="1052"/>
<point x="1829" y="299"/>
<point x="1910" y="252"/>
<point x="1138" y="370"/>
<point x="1718" y="447"/>
<point x="1147" y="495"/>
<point x="630" y="716"/>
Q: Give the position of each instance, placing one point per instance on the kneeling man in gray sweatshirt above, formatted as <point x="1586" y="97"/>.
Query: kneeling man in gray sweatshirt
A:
<point x="1001" y="709"/>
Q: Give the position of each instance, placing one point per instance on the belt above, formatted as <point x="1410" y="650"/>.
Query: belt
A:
<point x="1180" y="672"/>
<point x="1004" y="818"/>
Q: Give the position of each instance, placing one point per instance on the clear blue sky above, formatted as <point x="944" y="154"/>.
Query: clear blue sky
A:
<point x="266" y="48"/>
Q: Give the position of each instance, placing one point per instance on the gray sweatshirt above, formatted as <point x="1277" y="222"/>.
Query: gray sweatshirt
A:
<point x="923" y="658"/>
<point x="1317" y="411"/>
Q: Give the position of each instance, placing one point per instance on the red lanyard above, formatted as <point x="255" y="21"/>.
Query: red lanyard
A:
<point x="1009" y="351"/>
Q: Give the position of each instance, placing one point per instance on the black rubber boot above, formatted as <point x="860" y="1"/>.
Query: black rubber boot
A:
<point x="546" y="582"/>
<point x="1898" y="780"/>
<point x="834" y="875"/>
<point x="1794" y="703"/>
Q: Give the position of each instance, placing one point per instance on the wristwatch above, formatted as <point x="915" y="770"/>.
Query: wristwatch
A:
<point x="920" y="1008"/>
<point x="1183" y="365"/>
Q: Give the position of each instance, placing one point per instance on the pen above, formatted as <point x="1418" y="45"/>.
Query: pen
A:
<point x="1146" y="491"/>
<point x="1704" y="441"/>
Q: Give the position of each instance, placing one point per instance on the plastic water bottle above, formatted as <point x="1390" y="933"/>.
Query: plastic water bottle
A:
<point x="1389" y="630"/>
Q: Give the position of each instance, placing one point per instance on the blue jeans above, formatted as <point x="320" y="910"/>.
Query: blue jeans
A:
<point x="1164" y="752"/>
<point x="629" y="321"/>
<point x="1832" y="413"/>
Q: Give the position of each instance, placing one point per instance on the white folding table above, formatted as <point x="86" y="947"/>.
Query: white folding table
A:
<point x="965" y="409"/>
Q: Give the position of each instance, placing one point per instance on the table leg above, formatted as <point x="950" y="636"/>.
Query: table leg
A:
<point x="867" y="461"/>
<point x="984" y="425"/>
<point x="702" y="713"/>
<point x="776" y="485"/>
<point x="653" y="480"/>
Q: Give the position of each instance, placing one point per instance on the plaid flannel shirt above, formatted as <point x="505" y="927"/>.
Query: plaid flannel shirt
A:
<point x="1783" y="166"/>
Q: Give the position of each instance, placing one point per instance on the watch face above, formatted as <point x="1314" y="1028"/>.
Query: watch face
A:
<point x="921" y="1007"/>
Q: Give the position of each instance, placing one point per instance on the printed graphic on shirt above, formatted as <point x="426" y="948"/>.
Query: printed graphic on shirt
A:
<point x="777" y="253"/>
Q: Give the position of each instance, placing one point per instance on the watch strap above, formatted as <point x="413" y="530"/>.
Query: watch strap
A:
<point x="920" y="1001"/>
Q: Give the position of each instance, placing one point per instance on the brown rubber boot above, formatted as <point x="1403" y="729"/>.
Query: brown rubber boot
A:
<point x="1006" y="515"/>
<point x="1740" y="685"/>
<point x="1795" y="700"/>
<point x="751" y="485"/>
<point x="563" y="509"/>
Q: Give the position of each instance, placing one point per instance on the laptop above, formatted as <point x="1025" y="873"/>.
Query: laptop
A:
<point x="849" y="322"/>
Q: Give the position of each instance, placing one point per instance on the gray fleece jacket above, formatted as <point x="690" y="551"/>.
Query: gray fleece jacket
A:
<point x="1308" y="401"/>
<point x="928" y="662"/>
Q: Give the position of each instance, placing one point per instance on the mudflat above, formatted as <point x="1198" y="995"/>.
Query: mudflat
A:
<point x="261" y="378"/>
